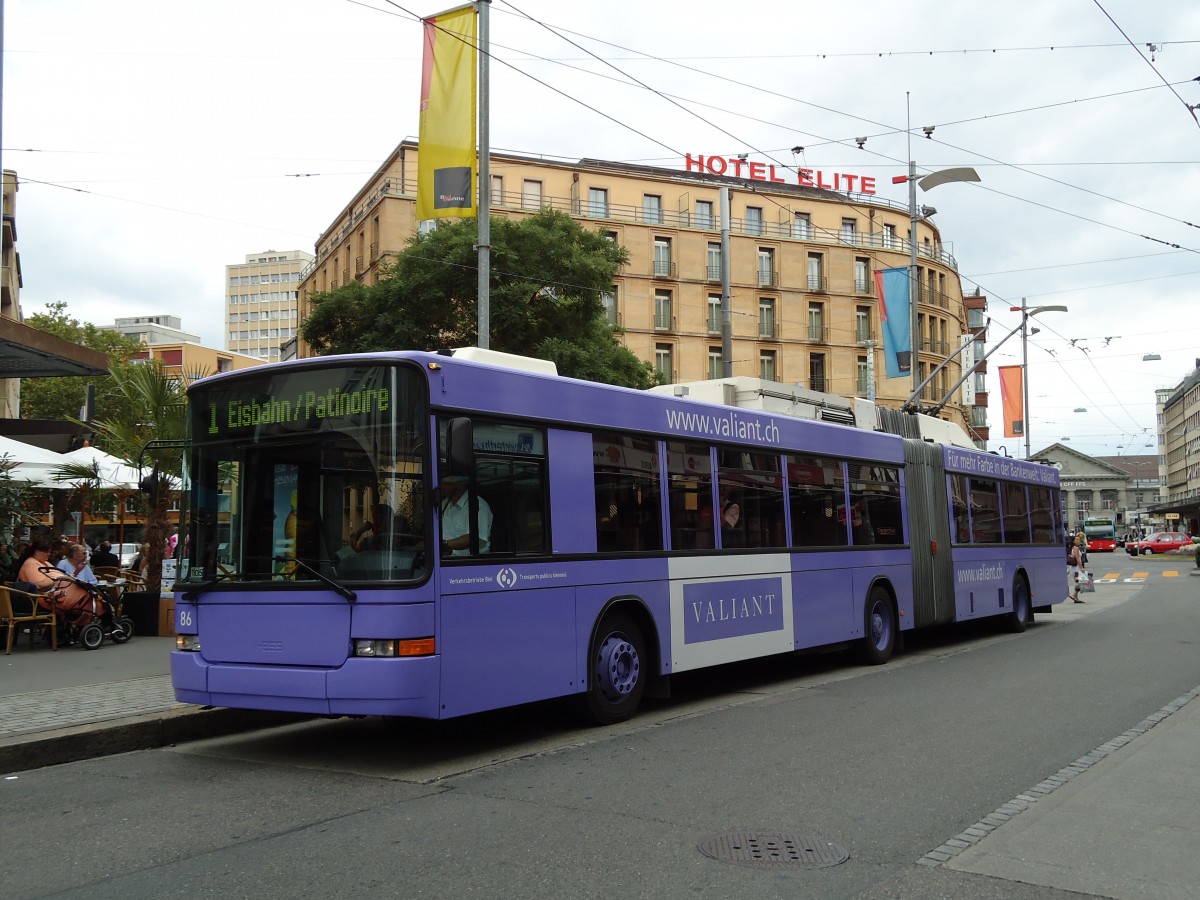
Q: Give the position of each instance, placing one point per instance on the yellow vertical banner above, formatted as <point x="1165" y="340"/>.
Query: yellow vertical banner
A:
<point x="1012" y="398"/>
<point x="446" y="159"/>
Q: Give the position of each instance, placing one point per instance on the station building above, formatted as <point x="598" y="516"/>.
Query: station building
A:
<point x="804" y="246"/>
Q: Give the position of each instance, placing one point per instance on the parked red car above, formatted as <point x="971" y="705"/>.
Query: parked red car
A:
<point x="1158" y="542"/>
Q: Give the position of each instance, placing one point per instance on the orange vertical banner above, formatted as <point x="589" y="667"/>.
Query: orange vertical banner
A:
<point x="446" y="159"/>
<point x="1012" y="396"/>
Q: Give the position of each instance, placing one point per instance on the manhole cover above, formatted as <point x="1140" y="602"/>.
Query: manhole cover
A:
<point x="773" y="848"/>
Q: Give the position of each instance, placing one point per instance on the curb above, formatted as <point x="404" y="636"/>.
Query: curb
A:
<point x="51" y="748"/>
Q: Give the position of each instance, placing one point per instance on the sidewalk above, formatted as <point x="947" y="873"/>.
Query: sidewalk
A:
<point x="72" y="704"/>
<point x="1122" y="821"/>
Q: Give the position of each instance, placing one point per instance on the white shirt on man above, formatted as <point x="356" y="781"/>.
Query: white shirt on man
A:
<point x="456" y="521"/>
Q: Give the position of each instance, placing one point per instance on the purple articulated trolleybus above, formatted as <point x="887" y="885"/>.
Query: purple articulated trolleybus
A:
<point x="437" y="534"/>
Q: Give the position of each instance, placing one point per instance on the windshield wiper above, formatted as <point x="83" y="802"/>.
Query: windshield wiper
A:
<point x="324" y="579"/>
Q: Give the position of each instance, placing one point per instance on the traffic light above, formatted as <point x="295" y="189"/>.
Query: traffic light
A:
<point x="149" y="486"/>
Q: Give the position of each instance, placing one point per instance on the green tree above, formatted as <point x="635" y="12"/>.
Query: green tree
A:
<point x="547" y="271"/>
<point x="62" y="398"/>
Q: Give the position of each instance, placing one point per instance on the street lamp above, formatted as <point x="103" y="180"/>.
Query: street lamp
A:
<point x="914" y="404"/>
<point x="944" y="176"/>
<point x="1025" y="314"/>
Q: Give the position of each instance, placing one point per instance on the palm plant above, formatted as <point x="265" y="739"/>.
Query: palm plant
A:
<point x="147" y="430"/>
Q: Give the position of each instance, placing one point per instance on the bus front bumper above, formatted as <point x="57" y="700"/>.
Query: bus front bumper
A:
<point x="359" y="687"/>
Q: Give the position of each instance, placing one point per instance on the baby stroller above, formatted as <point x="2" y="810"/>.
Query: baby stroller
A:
<point x="85" y="612"/>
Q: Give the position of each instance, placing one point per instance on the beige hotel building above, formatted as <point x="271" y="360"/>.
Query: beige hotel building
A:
<point x="802" y="260"/>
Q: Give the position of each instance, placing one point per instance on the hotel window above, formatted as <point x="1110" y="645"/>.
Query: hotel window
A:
<point x="662" y="310"/>
<point x="816" y="372"/>
<point x="598" y="202"/>
<point x="766" y="267"/>
<point x="608" y="301"/>
<point x="531" y="194"/>
<point x="803" y="226"/>
<point x="714" y="261"/>
<point x="889" y="236"/>
<point x="816" y="322"/>
<point x="498" y="189"/>
<point x="816" y="272"/>
<point x="716" y="365"/>
<point x="754" y="220"/>
<point x="714" y="313"/>
<point x="862" y="324"/>
<point x="663" y="362"/>
<point x="767" y="370"/>
<point x="862" y="385"/>
<point x="766" y="317"/>
<point x="862" y="275"/>
<point x="704" y="214"/>
<point x="662" y="258"/>
<point x="849" y="229"/>
<point x="652" y="209"/>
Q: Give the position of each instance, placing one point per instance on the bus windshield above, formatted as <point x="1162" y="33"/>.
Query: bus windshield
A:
<point x="299" y="475"/>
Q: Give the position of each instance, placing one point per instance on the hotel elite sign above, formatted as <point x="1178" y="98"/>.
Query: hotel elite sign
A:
<point x="769" y="172"/>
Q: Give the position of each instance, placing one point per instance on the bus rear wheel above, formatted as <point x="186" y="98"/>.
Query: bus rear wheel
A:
<point x="879" y="638"/>
<point x="1022" y="607"/>
<point x="615" y="670"/>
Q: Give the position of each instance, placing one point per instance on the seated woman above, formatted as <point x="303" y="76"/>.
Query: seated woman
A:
<point x="58" y="592"/>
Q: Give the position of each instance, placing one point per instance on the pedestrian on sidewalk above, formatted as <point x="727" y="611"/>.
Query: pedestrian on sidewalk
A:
<point x="1078" y="568"/>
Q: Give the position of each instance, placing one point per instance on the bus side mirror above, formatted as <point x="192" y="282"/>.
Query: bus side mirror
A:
<point x="460" y="447"/>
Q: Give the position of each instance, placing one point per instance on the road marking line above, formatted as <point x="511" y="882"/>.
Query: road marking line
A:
<point x="1134" y="580"/>
<point x="1111" y="575"/>
<point x="1141" y="574"/>
<point x="1170" y="574"/>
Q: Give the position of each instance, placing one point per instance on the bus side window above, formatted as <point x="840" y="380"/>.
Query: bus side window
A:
<point x="514" y="490"/>
<point x="628" y="495"/>
<point x="816" y="494"/>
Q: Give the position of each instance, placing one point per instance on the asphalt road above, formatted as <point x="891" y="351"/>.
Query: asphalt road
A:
<point x="887" y="763"/>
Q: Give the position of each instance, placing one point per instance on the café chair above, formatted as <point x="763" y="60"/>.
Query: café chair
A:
<point x="30" y="614"/>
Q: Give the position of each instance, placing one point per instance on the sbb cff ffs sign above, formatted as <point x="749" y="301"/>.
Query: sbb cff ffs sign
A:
<point x="757" y="171"/>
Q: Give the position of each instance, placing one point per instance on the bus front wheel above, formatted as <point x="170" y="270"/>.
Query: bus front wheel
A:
<point x="879" y="638"/>
<point x="616" y="670"/>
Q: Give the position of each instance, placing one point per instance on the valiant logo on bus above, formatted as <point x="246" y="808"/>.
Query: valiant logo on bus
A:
<point x="724" y="609"/>
<point x="723" y="425"/>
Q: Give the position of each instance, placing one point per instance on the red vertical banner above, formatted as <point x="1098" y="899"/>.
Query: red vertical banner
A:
<point x="1012" y="396"/>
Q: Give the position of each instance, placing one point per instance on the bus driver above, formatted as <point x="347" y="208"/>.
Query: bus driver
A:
<point x="456" y="518"/>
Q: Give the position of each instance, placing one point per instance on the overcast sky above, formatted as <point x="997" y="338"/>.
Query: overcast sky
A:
<point x="158" y="141"/>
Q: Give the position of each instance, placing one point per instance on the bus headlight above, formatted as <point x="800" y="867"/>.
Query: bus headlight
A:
<point x="190" y="642"/>
<point x="374" y="647"/>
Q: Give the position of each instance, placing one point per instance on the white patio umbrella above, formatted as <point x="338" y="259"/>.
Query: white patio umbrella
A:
<point x="114" y="472"/>
<point x="33" y="464"/>
<point x="27" y="454"/>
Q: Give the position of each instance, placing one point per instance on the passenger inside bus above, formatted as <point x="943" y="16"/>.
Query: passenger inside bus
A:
<point x="456" y="518"/>
<point x="731" y="520"/>
<point x="378" y="532"/>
